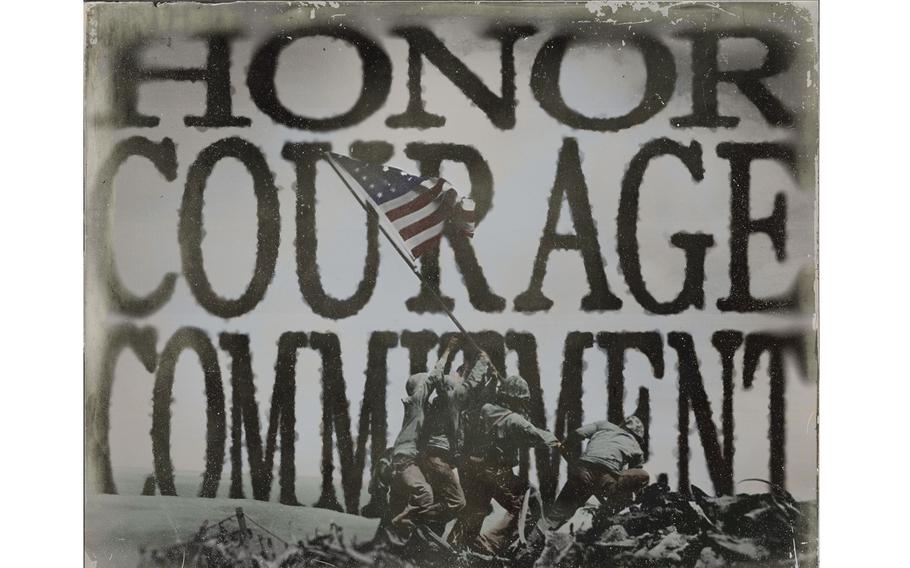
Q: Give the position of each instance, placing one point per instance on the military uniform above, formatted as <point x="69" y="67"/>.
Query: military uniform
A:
<point x="442" y="438"/>
<point x="493" y="438"/>
<point x="437" y="462"/>
<point x="425" y="488"/>
<point x="609" y="469"/>
<point x="410" y="493"/>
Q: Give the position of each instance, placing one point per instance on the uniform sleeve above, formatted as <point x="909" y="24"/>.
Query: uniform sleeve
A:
<point x="532" y="434"/>
<point x="437" y="377"/>
<point x="419" y="396"/>
<point x="455" y="390"/>
<point x="468" y="388"/>
<point x="475" y="378"/>
<point x="589" y="430"/>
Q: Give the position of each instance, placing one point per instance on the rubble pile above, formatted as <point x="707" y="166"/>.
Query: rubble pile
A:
<point x="664" y="528"/>
<point x="661" y="529"/>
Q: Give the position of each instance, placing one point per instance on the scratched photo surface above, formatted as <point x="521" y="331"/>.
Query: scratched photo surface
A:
<point x="645" y="242"/>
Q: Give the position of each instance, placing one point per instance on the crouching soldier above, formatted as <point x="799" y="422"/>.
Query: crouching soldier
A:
<point x="494" y="435"/>
<point x="609" y="469"/>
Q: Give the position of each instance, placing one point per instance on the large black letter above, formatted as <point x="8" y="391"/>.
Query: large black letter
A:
<point x="525" y="345"/>
<point x="569" y="410"/>
<point x="742" y="225"/>
<point x="373" y="423"/>
<point x="695" y="246"/>
<point x="98" y="406"/>
<point x="419" y="344"/>
<point x="430" y="157"/>
<point x="128" y="75"/>
<point x="616" y="345"/>
<point x="776" y="346"/>
<point x="706" y="76"/>
<point x="194" y="339"/>
<point x="305" y="156"/>
<point x="659" y="85"/>
<point x="692" y="391"/>
<point x="163" y="156"/>
<point x="245" y="416"/>
<point x="422" y="43"/>
<point x="643" y="412"/>
<point x="283" y="413"/>
<point x="267" y="234"/>
<point x="570" y="181"/>
<point x="335" y="417"/>
<point x="377" y="79"/>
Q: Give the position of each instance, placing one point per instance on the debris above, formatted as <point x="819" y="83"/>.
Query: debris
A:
<point x="671" y="547"/>
<point x="737" y="548"/>
<point x="709" y="559"/>
<point x="662" y="528"/>
<point x="615" y="534"/>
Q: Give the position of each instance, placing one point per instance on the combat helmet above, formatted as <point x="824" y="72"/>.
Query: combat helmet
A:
<point x="514" y="387"/>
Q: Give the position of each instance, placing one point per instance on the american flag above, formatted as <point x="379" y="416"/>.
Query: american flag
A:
<point x="417" y="207"/>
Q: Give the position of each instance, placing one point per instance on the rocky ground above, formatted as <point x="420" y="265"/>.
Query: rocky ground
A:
<point x="661" y="529"/>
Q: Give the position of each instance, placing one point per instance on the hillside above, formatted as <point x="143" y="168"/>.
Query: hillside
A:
<point x="117" y="525"/>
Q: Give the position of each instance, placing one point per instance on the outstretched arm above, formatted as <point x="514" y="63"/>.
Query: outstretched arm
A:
<point x="533" y="435"/>
<point x="483" y="378"/>
<point x="477" y="375"/>
<point x="437" y="375"/>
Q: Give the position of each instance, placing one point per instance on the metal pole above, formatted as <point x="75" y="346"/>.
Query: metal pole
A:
<point x="407" y="260"/>
<point x="241" y="521"/>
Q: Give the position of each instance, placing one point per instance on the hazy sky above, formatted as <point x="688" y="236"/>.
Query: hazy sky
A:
<point x="321" y="77"/>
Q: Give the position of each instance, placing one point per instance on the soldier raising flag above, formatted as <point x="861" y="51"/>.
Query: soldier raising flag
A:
<point x="479" y="421"/>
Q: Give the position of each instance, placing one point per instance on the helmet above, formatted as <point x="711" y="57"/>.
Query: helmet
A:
<point x="515" y="387"/>
<point x="411" y="385"/>
<point x="634" y="426"/>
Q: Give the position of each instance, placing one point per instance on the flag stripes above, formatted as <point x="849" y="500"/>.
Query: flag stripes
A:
<point x="418" y="208"/>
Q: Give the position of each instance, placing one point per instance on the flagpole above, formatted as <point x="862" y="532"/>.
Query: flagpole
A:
<point x="405" y="257"/>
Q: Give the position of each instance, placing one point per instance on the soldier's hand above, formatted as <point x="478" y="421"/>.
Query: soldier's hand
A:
<point x="453" y="343"/>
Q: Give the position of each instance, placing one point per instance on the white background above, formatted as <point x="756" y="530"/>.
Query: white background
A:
<point x="863" y="206"/>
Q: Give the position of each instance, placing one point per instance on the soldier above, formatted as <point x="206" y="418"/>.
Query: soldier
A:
<point x="441" y="437"/>
<point x="410" y="493"/>
<point x="437" y="462"/>
<point x="494" y="435"/>
<point x="609" y="469"/>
